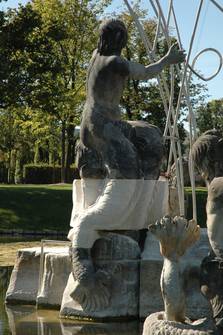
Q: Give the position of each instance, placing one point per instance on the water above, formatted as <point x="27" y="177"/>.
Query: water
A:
<point x="27" y="320"/>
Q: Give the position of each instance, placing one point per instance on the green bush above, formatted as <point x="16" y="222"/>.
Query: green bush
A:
<point x="3" y="174"/>
<point x="46" y="174"/>
<point x="201" y="195"/>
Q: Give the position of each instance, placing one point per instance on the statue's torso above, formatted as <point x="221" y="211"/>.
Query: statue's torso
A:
<point x="107" y="76"/>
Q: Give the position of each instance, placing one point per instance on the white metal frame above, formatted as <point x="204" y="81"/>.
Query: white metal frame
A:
<point x="185" y="72"/>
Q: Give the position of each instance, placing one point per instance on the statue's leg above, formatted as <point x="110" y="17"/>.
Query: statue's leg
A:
<point x="120" y="154"/>
<point x="93" y="287"/>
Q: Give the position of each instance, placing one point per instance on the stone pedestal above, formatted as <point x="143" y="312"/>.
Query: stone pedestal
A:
<point x="150" y="271"/>
<point x="57" y="267"/>
<point x="157" y="324"/>
<point x="123" y="260"/>
<point x="118" y="256"/>
<point x="24" y="282"/>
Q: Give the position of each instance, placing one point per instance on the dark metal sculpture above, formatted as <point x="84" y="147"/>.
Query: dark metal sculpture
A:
<point x="109" y="147"/>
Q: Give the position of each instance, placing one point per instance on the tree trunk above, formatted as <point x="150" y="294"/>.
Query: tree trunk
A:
<point x="19" y="166"/>
<point x="63" y="151"/>
<point x="70" y="148"/>
<point x="36" y="154"/>
<point x="11" y="166"/>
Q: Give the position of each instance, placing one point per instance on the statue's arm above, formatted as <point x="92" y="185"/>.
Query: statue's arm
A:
<point x="141" y="72"/>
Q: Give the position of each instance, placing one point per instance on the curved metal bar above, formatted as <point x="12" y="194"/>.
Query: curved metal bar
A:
<point x="198" y="55"/>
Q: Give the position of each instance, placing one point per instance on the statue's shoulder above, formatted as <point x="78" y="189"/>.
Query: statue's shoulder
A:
<point x="118" y="65"/>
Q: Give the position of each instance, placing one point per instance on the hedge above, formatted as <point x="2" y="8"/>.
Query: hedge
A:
<point x="46" y="174"/>
<point x="201" y="195"/>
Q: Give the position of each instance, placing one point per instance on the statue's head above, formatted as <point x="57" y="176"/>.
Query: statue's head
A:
<point x="207" y="153"/>
<point x="113" y="37"/>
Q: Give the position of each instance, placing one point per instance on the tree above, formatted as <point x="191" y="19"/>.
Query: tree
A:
<point x="210" y="116"/>
<point x="143" y="100"/>
<point x="46" y="46"/>
<point x="45" y="49"/>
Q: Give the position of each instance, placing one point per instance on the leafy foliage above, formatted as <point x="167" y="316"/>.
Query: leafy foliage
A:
<point x="45" y="49"/>
<point x="210" y="116"/>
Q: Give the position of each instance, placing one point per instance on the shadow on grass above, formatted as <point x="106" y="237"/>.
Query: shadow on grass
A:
<point x="35" y="207"/>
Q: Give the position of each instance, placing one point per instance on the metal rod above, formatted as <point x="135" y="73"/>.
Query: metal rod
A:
<point x="217" y="5"/>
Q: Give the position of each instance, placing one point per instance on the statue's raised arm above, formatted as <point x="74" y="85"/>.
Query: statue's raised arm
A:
<point x="141" y="72"/>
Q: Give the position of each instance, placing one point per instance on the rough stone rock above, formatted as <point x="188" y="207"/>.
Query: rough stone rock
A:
<point x="150" y="270"/>
<point x="24" y="281"/>
<point x="119" y="257"/>
<point x="155" y="324"/>
<point x="57" y="268"/>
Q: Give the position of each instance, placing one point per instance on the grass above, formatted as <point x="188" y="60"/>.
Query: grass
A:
<point x="35" y="207"/>
<point x="45" y="207"/>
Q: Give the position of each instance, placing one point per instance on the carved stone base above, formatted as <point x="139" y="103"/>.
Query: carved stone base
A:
<point x="119" y="257"/>
<point x="57" y="268"/>
<point x="156" y="324"/>
<point x="24" y="281"/>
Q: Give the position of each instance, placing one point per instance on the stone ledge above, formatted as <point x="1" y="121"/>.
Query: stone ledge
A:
<point x="24" y="282"/>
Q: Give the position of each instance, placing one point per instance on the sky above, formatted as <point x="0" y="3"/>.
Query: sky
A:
<point x="209" y="33"/>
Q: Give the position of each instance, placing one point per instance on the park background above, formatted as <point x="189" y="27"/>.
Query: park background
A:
<point x="45" y="51"/>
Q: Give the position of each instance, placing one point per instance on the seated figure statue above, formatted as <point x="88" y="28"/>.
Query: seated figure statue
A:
<point x="109" y="146"/>
<point x="111" y="151"/>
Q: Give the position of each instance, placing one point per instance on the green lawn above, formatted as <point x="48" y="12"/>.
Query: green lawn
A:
<point x="44" y="207"/>
<point x="35" y="207"/>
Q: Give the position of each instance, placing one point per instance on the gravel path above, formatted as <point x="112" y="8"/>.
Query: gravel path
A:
<point x="8" y="251"/>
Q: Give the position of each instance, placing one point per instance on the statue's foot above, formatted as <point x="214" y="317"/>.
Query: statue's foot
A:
<point x="93" y="293"/>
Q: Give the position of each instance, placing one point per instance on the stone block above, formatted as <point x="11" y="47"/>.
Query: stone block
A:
<point x="24" y="281"/>
<point x="119" y="256"/>
<point x="57" y="268"/>
<point x="150" y="270"/>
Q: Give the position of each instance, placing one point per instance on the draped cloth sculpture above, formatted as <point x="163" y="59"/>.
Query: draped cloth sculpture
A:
<point x="119" y="161"/>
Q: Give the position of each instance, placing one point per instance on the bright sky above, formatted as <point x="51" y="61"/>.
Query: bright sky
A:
<point x="209" y="33"/>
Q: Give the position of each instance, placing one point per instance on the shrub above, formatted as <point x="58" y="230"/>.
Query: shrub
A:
<point x="46" y="174"/>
